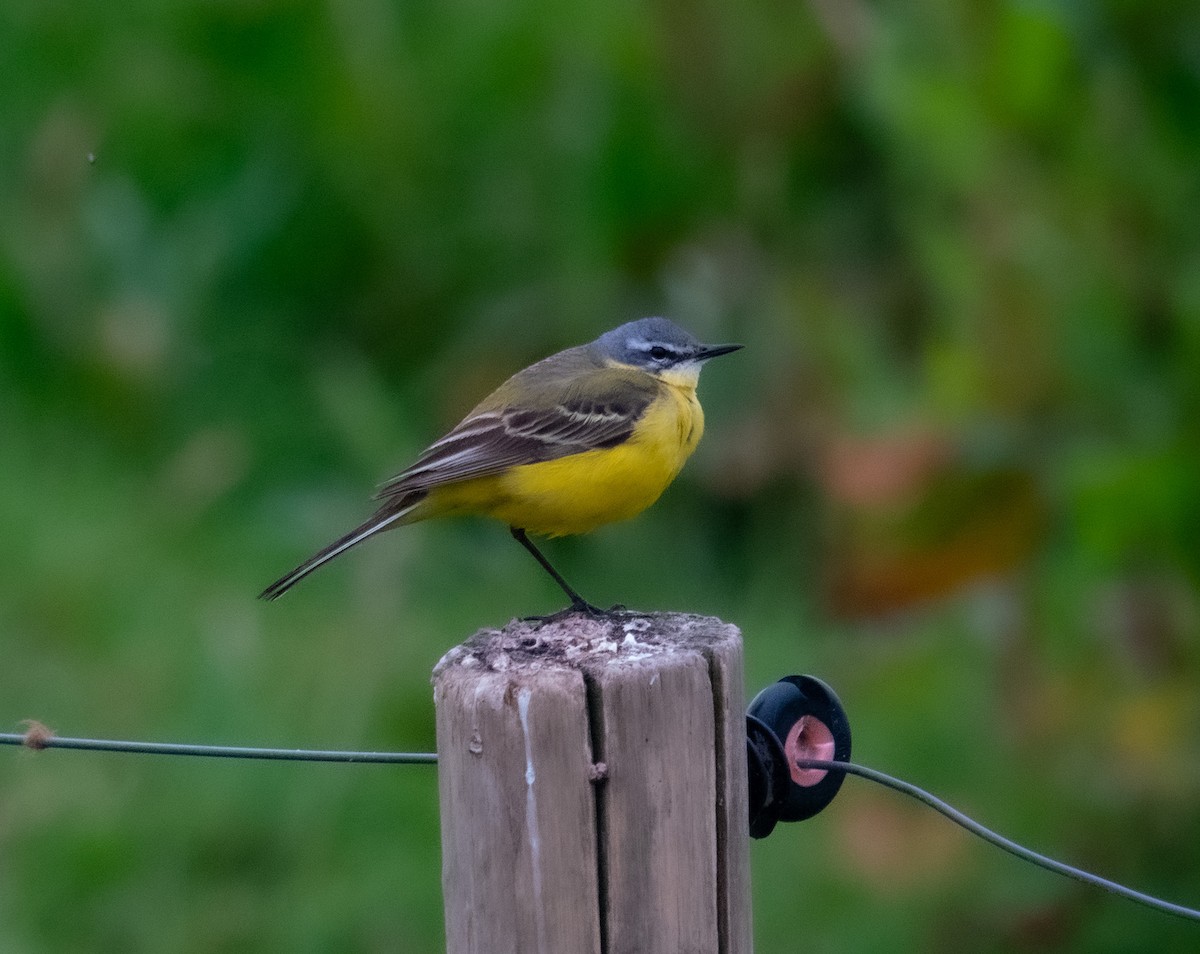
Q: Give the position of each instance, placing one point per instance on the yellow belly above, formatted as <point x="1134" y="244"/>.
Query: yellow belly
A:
<point x="578" y="493"/>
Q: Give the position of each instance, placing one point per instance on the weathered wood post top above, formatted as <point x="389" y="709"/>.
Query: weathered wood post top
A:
<point x="592" y="775"/>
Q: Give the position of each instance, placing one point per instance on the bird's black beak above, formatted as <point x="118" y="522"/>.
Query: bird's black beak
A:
<point x="713" y="351"/>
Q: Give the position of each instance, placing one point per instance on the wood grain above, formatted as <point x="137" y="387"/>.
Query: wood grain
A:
<point x="593" y="788"/>
<point x="519" y="867"/>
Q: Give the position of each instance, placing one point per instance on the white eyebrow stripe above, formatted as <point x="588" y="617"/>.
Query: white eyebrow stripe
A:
<point x="672" y="348"/>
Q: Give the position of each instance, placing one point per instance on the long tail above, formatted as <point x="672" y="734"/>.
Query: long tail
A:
<point x="382" y="519"/>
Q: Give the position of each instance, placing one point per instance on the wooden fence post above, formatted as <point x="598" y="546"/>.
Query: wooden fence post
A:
<point x="592" y="776"/>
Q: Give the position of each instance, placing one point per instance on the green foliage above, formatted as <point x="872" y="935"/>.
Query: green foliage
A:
<point x="248" y="246"/>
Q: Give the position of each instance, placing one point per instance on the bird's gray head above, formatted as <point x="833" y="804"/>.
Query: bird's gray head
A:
<point x="656" y="345"/>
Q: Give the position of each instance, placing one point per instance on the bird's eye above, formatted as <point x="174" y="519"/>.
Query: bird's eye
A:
<point x="658" y="352"/>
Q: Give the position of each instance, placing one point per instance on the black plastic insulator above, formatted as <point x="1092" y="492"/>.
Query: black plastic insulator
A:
<point x="782" y="722"/>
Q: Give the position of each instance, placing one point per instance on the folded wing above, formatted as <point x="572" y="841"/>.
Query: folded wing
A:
<point x="493" y="440"/>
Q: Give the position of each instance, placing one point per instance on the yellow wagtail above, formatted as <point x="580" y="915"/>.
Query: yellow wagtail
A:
<point x="584" y="437"/>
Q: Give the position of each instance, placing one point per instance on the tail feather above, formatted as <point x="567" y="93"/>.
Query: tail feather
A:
<point x="380" y="521"/>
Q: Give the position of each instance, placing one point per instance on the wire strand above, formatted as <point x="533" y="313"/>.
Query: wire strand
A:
<point x="39" y="737"/>
<point x="1000" y="841"/>
<point x="35" y="739"/>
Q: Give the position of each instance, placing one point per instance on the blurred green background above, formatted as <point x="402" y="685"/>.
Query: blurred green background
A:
<point x="246" y="245"/>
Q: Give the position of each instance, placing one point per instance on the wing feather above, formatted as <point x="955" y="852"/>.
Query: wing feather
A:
<point x="492" y="439"/>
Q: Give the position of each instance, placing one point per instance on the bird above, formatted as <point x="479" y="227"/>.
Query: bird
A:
<point x="588" y="436"/>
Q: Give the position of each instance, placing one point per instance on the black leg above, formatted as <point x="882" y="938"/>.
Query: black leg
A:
<point x="577" y="601"/>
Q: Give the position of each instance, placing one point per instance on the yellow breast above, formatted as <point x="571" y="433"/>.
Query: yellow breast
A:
<point x="578" y="493"/>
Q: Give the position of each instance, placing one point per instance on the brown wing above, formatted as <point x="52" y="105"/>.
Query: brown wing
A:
<point x="596" y="410"/>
